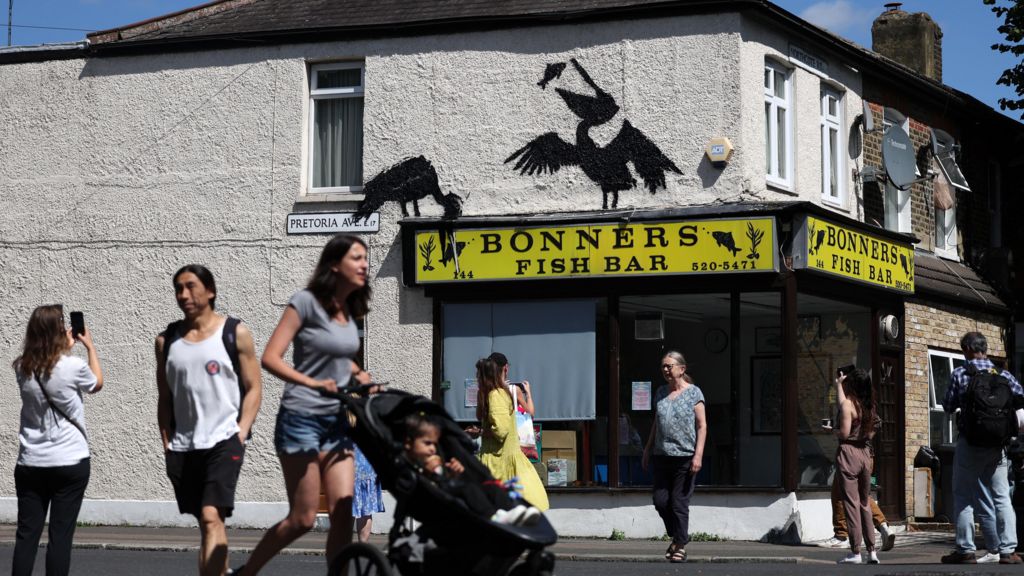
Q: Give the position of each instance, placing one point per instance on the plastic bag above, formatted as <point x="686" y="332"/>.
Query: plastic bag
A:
<point x="527" y="439"/>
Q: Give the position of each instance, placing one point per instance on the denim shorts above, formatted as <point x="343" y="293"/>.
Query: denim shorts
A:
<point x="308" y="434"/>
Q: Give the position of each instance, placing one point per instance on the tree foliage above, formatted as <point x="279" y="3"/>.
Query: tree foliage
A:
<point x="1012" y="28"/>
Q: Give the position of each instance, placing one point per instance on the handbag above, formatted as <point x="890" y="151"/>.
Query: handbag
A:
<point x="524" y="428"/>
<point x="61" y="412"/>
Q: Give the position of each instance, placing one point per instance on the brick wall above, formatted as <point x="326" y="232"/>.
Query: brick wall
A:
<point x="938" y="327"/>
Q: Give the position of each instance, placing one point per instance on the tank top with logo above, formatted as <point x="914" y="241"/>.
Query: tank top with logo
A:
<point x="204" y="392"/>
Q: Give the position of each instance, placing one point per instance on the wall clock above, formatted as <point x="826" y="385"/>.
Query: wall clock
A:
<point x="716" y="340"/>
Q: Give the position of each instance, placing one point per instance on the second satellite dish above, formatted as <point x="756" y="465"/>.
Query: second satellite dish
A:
<point x="898" y="157"/>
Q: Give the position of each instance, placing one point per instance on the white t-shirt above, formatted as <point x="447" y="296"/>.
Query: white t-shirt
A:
<point x="204" y="393"/>
<point x="47" y="438"/>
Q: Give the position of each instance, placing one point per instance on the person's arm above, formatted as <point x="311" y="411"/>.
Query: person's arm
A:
<point x="273" y="355"/>
<point x="951" y="400"/>
<point x="525" y="398"/>
<point x="251" y="379"/>
<point x="840" y="394"/>
<point x="164" y="408"/>
<point x="362" y="376"/>
<point x="645" y="460"/>
<point x="454" y="467"/>
<point x="845" y="420"/>
<point x="702" y="433"/>
<point x="94" y="360"/>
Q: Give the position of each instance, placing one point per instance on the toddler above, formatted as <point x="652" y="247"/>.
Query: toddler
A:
<point x="489" y="499"/>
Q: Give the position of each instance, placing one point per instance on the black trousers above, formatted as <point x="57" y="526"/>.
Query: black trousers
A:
<point x="673" y="487"/>
<point x="59" y="489"/>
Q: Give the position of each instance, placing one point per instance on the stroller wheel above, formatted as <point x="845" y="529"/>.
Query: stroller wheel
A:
<point x="360" y="559"/>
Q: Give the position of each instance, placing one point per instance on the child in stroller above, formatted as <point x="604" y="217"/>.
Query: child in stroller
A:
<point x="490" y="498"/>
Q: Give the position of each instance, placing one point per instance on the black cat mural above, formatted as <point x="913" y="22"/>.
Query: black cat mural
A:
<point x="411" y="180"/>
<point x="606" y="166"/>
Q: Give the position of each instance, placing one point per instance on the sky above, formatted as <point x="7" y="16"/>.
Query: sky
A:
<point x="968" y="26"/>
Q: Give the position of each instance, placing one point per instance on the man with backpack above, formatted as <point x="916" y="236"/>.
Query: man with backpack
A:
<point x="987" y="399"/>
<point x="209" y="386"/>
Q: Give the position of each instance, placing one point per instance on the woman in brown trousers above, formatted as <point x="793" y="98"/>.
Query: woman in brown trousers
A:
<point x="855" y="431"/>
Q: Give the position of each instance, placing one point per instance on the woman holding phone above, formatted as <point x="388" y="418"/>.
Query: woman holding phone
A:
<point x="855" y="430"/>
<point x="311" y="433"/>
<point x="53" y="459"/>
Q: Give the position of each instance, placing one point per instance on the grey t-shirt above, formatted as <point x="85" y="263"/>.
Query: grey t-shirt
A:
<point x="677" y="422"/>
<point x="322" y="349"/>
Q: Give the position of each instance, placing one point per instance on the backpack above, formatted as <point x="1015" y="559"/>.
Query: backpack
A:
<point x="230" y="340"/>
<point x="987" y="417"/>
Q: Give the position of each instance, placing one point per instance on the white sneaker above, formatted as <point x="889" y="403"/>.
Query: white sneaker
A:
<point x="990" y="558"/>
<point x="872" y="557"/>
<point x="513" y="517"/>
<point x="888" y="537"/>
<point x="530" y="517"/>
<point x="833" y="542"/>
<point x="851" y="558"/>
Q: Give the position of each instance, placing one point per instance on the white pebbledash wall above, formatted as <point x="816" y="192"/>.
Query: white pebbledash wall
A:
<point x="114" y="172"/>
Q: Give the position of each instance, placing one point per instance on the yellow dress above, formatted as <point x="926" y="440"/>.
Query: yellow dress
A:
<point x="500" y="450"/>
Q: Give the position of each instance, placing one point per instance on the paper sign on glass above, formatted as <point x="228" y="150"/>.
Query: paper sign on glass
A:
<point x="471" y="392"/>
<point x="641" y="396"/>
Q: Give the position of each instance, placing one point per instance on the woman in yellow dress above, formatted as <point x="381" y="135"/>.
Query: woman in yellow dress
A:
<point x="499" y="450"/>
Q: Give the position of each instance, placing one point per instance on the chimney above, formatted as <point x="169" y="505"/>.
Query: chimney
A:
<point x="914" y="40"/>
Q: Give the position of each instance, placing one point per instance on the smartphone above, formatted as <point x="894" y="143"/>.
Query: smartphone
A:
<point x="520" y="386"/>
<point x="844" y="370"/>
<point x="77" y="324"/>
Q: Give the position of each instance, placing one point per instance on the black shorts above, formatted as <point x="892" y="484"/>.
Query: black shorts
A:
<point x="206" y="477"/>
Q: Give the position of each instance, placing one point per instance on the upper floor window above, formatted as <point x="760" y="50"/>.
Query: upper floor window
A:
<point x="945" y="149"/>
<point x="336" y="127"/>
<point x="778" y="124"/>
<point x="897" y="202"/>
<point x="833" y="189"/>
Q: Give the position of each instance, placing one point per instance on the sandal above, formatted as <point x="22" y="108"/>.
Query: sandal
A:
<point x="668" y="551"/>
<point x="678" y="556"/>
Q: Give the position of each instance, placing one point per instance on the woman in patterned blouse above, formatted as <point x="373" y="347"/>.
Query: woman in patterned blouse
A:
<point x="677" y="444"/>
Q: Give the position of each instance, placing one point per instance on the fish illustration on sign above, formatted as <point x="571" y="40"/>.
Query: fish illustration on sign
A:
<point x="908" y="268"/>
<point x="725" y="240"/>
<point x="606" y="166"/>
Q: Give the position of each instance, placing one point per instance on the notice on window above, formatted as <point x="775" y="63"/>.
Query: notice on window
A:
<point x="472" y="388"/>
<point x="641" y="396"/>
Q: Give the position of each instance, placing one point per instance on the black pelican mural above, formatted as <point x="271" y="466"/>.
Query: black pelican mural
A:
<point x="606" y="166"/>
<point x="411" y="180"/>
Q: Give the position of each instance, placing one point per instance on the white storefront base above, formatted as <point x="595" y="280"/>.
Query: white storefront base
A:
<point x="771" y="517"/>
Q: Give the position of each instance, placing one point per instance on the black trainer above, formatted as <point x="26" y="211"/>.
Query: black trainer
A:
<point x="958" y="557"/>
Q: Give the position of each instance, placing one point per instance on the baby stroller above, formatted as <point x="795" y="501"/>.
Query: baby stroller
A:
<point x="451" y="539"/>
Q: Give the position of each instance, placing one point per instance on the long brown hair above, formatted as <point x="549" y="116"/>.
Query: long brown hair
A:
<point x="46" y="339"/>
<point x="324" y="281"/>
<point x="858" y="389"/>
<point x="488" y="378"/>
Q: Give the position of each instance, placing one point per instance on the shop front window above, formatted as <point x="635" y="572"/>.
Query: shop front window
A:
<point x="743" y="408"/>
<point x="830" y="334"/>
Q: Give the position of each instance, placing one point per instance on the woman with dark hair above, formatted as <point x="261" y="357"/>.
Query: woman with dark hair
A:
<point x="676" y="443"/>
<point x="499" y="450"/>
<point x="311" y="434"/>
<point x="855" y="430"/>
<point x="53" y="460"/>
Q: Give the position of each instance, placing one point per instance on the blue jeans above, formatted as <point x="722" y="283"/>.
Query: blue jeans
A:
<point x="981" y="487"/>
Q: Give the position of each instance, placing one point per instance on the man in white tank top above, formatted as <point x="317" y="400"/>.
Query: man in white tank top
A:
<point x="204" y="415"/>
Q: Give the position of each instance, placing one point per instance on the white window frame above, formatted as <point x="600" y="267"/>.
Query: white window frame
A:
<point x="945" y="220"/>
<point x="772" y="137"/>
<point x="315" y="94"/>
<point x="935" y="403"/>
<point x="830" y="122"/>
<point x="897" y="202"/>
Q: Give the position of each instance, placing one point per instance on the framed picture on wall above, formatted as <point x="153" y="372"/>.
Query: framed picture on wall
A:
<point x="808" y="332"/>
<point x="768" y="340"/>
<point x="766" y="394"/>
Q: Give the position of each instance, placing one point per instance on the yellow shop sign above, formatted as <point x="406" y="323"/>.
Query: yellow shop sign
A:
<point x="592" y="250"/>
<point x="858" y="255"/>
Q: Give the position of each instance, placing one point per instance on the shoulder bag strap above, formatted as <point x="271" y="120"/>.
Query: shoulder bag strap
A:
<point x="61" y="412"/>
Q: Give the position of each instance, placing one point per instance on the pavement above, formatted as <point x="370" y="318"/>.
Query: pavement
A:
<point x="911" y="547"/>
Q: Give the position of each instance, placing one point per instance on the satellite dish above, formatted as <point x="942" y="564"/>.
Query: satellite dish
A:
<point x="898" y="157"/>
